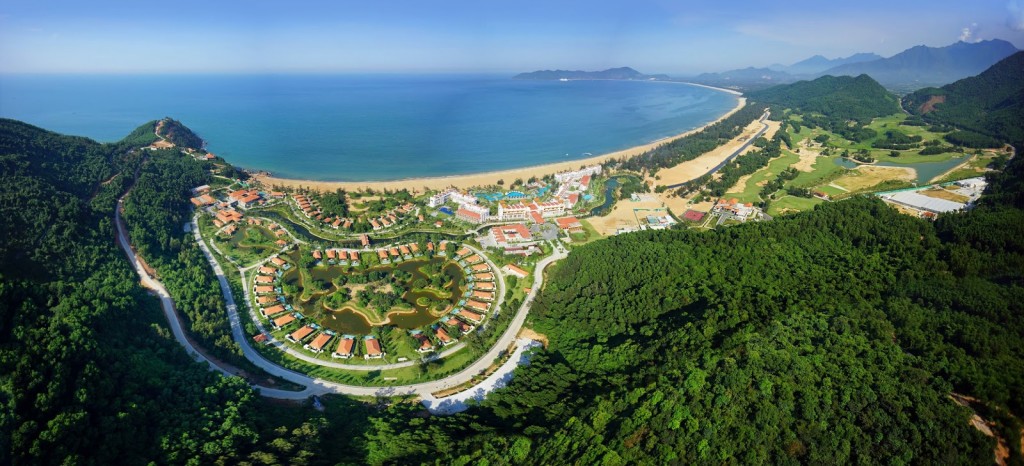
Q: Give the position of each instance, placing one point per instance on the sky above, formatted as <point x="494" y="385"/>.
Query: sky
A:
<point x="486" y="36"/>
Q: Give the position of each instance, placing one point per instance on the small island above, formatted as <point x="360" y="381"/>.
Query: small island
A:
<point x="622" y="74"/>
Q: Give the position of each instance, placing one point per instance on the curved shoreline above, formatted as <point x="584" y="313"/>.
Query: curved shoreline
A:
<point x="487" y="178"/>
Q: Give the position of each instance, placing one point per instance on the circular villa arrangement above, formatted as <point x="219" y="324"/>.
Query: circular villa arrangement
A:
<point x="389" y="304"/>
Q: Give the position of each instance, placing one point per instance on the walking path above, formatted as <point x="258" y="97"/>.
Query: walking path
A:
<point x="316" y="386"/>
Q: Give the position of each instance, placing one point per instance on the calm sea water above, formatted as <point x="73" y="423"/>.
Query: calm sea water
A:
<point x="357" y="128"/>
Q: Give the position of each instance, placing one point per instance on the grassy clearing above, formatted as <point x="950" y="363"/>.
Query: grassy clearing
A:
<point x="792" y="204"/>
<point x="942" y="193"/>
<point x="867" y="178"/>
<point x="752" y="187"/>
<point x="824" y="171"/>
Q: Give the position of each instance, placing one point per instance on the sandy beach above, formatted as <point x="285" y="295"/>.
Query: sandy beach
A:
<point x="478" y="179"/>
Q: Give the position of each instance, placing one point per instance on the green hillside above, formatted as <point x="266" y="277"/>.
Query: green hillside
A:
<point x="179" y="134"/>
<point x="89" y="373"/>
<point x="841" y="99"/>
<point x="990" y="104"/>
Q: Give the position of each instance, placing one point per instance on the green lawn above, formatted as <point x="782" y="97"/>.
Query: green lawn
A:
<point x="792" y="203"/>
<point x="752" y="188"/>
<point x="823" y="171"/>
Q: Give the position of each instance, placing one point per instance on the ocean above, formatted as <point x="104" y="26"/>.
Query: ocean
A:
<point x="371" y="127"/>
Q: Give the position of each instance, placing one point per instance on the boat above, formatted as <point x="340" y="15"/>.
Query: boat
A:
<point x="564" y="80"/>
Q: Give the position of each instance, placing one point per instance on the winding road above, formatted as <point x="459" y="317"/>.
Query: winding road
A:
<point x="314" y="386"/>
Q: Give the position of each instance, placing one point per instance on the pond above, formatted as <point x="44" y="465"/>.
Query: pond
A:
<point x="926" y="171"/>
<point x="350" y="321"/>
<point x="609" y="196"/>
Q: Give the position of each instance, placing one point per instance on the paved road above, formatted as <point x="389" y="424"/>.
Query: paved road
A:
<point x="165" y="298"/>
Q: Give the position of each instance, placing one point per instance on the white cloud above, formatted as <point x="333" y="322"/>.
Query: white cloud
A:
<point x="970" y="33"/>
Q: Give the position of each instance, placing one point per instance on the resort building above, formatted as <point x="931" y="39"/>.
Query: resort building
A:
<point x="203" y="200"/>
<point x="263" y="289"/>
<point x="565" y="177"/>
<point x="461" y="326"/>
<point x="345" y="348"/>
<point x="737" y="210"/>
<point x="204" y="189"/>
<point x="373" y="349"/>
<point x="300" y="334"/>
<point x="484" y="295"/>
<point x="283" y="320"/>
<point x="473" y="213"/>
<point x="483" y="277"/>
<point x="264" y="279"/>
<point x="227" y="216"/>
<point x="277" y="261"/>
<point x="478" y="305"/>
<point x="318" y="343"/>
<point x="512" y="212"/>
<point x="425" y="344"/>
<point x="245" y="198"/>
<point x="511" y="269"/>
<point x="443" y="337"/>
<point x="272" y="310"/>
<point x="480" y="268"/>
<point x="471" y="316"/>
<point x="266" y="300"/>
<point x="483" y="286"/>
<point x="505" y="235"/>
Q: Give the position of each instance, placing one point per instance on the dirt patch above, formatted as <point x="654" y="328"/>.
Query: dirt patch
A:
<point x="1002" y="450"/>
<point x="940" y="193"/>
<point x="867" y="176"/>
<point x="623" y="215"/>
<point x="533" y="335"/>
<point x="807" y="158"/>
<point x="930" y="104"/>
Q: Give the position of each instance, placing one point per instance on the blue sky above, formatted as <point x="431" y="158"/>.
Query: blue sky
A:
<point x="675" y="37"/>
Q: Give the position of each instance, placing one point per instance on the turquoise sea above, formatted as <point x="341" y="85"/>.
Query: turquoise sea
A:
<point x="371" y="127"/>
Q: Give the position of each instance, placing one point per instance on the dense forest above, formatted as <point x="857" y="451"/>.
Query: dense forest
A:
<point x="835" y="336"/>
<point x="831" y="102"/>
<point x="986" y="107"/>
<point x="89" y="372"/>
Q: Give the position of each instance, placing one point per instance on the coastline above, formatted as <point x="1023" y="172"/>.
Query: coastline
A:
<point x="488" y="178"/>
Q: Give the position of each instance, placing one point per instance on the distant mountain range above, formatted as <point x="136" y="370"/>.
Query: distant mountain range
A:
<point x="914" y="68"/>
<point x="922" y="66"/>
<point x="624" y="73"/>
<point x="818" y="63"/>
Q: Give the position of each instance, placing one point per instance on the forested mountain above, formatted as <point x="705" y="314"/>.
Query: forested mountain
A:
<point x="178" y="134"/>
<point x="923" y="66"/>
<point x="89" y="373"/>
<point x="991" y="103"/>
<point x="839" y="98"/>
<point x="625" y="73"/>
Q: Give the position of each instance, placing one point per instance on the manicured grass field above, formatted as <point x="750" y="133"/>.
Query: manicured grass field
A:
<point x="751" y="189"/>
<point x="792" y="204"/>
